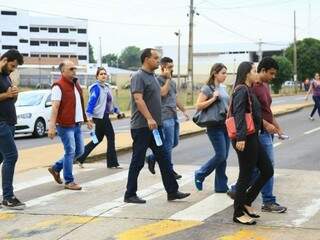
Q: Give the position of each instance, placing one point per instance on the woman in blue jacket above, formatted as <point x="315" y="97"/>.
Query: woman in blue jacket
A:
<point x="100" y="105"/>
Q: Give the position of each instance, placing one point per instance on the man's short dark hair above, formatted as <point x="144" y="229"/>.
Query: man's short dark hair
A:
<point x="146" y="53"/>
<point x="165" y="60"/>
<point x="267" y="63"/>
<point x="12" y="55"/>
<point x="61" y="65"/>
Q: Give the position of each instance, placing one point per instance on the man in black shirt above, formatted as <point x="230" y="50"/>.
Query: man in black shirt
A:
<point x="8" y="119"/>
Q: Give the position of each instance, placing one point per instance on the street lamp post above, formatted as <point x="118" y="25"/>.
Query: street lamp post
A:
<point x="178" y="34"/>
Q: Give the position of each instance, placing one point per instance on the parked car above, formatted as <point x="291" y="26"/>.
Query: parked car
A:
<point x="33" y="112"/>
<point x="288" y="84"/>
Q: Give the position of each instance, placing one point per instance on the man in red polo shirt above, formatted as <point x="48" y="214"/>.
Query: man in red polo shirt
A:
<point x="66" y="116"/>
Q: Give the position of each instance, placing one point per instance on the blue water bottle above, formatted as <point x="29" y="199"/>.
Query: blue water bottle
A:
<point x="157" y="137"/>
<point x="94" y="137"/>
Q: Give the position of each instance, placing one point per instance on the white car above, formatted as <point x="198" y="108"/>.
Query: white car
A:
<point x="33" y="112"/>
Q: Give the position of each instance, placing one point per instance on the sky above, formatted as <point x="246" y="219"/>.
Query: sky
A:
<point x="150" y="23"/>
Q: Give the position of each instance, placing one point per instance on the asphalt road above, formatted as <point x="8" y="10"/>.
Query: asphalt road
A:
<point x="123" y="125"/>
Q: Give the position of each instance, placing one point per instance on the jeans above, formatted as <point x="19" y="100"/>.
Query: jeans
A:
<point x="253" y="156"/>
<point x="8" y="158"/>
<point x="170" y="129"/>
<point x="266" y="141"/>
<point x="221" y="144"/>
<point x="142" y="140"/>
<point x="103" y="128"/>
<point x="72" y="141"/>
<point x="316" y="106"/>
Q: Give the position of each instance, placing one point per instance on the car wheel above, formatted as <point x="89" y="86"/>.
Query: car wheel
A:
<point x="39" y="128"/>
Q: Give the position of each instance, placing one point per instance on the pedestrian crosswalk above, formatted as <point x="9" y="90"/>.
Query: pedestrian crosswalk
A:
<point x="102" y="198"/>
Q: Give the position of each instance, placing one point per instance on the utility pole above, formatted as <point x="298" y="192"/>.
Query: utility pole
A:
<point x="294" y="48"/>
<point x="100" y="53"/>
<point x="190" y="49"/>
<point x="178" y="34"/>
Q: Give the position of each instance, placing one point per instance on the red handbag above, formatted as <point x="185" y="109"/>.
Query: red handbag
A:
<point x="230" y="122"/>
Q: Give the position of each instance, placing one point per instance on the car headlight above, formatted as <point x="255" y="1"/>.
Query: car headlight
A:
<point x="25" y="115"/>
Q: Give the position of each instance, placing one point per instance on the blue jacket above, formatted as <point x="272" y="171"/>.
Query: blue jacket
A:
<point x="98" y="100"/>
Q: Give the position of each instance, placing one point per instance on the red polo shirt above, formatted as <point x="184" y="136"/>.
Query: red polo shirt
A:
<point x="262" y="91"/>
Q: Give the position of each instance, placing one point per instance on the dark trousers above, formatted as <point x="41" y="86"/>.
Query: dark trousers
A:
<point x="142" y="140"/>
<point x="8" y="158"/>
<point x="316" y="106"/>
<point x="252" y="157"/>
<point x="103" y="128"/>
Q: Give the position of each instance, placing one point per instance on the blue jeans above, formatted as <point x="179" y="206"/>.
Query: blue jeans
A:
<point x="266" y="140"/>
<point x="9" y="157"/>
<point x="221" y="144"/>
<point x="72" y="141"/>
<point x="170" y="129"/>
<point x="142" y="140"/>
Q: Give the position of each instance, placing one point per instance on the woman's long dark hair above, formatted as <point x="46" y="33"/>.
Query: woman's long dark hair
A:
<point x="216" y="68"/>
<point x="242" y="72"/>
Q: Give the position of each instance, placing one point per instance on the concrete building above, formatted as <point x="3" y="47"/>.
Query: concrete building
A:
<point x="44" y="40"/>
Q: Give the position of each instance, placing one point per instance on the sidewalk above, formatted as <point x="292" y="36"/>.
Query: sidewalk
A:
<point x="46" y="155"/>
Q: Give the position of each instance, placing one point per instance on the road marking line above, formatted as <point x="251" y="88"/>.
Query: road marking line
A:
<point x="205" y="208"/>
<point x="41" y="180"/>
<point x="243" y="235"/>
<point x="109" y="209"/>
<point x="311" y="131"/>
<point x="308" y="212"/>
<point x="156" y="230"/>
<point x="44" y="200"/>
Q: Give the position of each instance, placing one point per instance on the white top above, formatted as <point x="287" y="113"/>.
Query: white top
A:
<point x="56" y="95"/>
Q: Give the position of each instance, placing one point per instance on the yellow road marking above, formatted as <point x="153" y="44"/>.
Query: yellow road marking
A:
<point x="243" y="235"/>
<point x="6" y="216"/>
<point x="158" y="229"/>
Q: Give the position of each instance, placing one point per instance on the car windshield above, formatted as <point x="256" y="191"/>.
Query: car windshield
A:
<point x="29" y="99"/>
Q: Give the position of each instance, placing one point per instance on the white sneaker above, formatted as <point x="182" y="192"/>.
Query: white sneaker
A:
<point x="311" y="118"/>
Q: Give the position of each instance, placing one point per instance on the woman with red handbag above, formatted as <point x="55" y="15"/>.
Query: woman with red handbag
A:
<point x="245" y="109"/>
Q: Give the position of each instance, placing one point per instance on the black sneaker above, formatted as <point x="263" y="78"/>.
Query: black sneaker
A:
<point x="13" y="204"/>
<point x="177" y="195"/>
<point x="134" y="199"/>
<point x="151" y="166"/>
<point x="273" y="208"/>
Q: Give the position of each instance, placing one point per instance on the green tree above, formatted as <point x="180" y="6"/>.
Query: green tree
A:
<point x="91" y="56"/>
<point x="130" y="58"/>
<point x="308" y="55"/>
<point x="284" y="73"/>
<point x="111" y="59"/>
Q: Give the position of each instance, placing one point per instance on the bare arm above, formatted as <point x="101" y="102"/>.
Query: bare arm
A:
<point x="53" y="119"/>
<point x="143" y="109"/>
<point x="164" y="90"/>
<point x="309" y="91"/>
<point x="182" y="109"/>
<point x="203" y="102"/>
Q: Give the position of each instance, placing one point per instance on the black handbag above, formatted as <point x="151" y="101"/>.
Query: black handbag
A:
<point x="214" y="115"/>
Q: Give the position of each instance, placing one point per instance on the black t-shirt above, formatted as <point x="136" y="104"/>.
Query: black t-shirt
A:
<point x="7" y="108"/>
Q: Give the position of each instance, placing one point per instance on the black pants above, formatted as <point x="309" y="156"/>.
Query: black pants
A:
<point x="103" y="128"/>
<point x="253" y="156"/>
<point x="142" y="140"/>
<point x="316" y="106"/>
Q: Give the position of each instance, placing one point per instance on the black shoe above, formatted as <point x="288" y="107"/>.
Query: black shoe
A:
<point x="13" y="204"/>
<point x="231" y="194"/>
<point x="134" y="199"/>
<point x="177" y="195"/>
<point x="177" y="175"/>
<point x="151" y="166"/>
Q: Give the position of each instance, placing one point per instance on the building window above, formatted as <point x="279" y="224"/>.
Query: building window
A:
<point x="82" y="57"/>
<point x="44" y="29"/>
<point x="82" y="30"/>
<point x="9" y="47"/>
<point x="23" y="41"/>
<point x="73" y="29"/>
<point x="64" y="30"/>
<point x="25" y="54"/>
<point x="53" y="43"/>
<point x="23" y="27"/>
<point x="64" y="56"/>
<point x="34" y="43"/>
<point x="73" y="56"/>
<point x="34" y="55"/>
<point x="82" y="44"/>
<point x="12" y="13"/>
<point x="9" y="34"/>
<point x="64" y="44"/>
<point x="44" y="55"/>
<point x="53" y="30"/>
<point x="34" y="29"/>
<point x="44" y="42"/>
<point x="73" y="43"/>
<point x="53" y="56"/>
